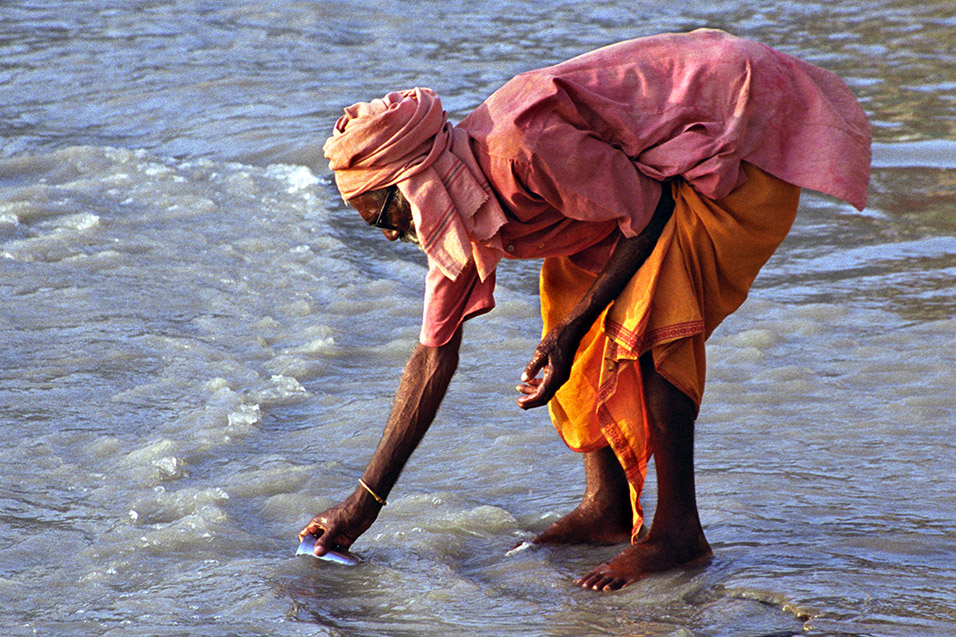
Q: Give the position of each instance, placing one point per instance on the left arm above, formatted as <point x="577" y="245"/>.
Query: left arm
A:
<point x="424" y="382"/>
<point x="555" y="353"/>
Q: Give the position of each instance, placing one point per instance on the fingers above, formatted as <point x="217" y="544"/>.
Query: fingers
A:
<point x="338" y="527"/>
<point x="548" y="361"/>
<point x="315" y="528"/>
<point x="530" y="402"/>
<point x="332" y="539"/>
<point x="323" y="545"/>
<point x="532" y="386"/>
<point x="312" y="528"/>
<point x="327" y="534"/>
<point x="335" y="537"/>
<point x="537" y="391"/>
<point x="534" y="366"/>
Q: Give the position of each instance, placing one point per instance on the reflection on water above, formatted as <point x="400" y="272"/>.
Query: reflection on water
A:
<point x="201" y="343"/>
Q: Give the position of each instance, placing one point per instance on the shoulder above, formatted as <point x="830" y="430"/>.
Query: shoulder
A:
<point x="508" y="123"/>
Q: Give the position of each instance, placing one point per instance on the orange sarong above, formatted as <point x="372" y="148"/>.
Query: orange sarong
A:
<point x="700" y="271"/>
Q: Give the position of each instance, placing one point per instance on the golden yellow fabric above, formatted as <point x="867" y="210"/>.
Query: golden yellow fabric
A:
<point x="700" y="271"/>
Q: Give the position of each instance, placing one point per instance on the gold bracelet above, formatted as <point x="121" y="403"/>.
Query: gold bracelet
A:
<point x="377" y="497"/>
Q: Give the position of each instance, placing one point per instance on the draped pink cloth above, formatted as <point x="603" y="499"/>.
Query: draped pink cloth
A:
<point x="689" y="105"/>
<point x="575" y="153"/>
<point x="405" y="139"/>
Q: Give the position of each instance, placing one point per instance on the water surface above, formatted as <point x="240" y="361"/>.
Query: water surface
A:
<point x="201" y="343"/>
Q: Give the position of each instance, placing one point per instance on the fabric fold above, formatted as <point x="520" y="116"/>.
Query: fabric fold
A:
<point x="709" y="254"/>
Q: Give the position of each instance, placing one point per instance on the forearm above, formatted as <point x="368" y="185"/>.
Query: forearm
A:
<point x="628" y="256"/>
<point x="423" y="385"/>
<point x="424" y="382"/>
<point x="554" y="356"/>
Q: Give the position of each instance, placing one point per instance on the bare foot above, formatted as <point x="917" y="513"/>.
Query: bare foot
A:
<point x="650" y="555"/>
<point x="588" y="524"/>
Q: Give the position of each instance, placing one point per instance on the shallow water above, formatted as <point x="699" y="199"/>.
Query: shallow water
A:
<point x="201" y="343"/>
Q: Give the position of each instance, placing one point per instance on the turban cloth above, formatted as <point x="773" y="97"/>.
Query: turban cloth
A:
<point x="405" y="139"/>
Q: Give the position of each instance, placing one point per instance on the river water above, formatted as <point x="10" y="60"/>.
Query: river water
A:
<point x="200" y="343"/>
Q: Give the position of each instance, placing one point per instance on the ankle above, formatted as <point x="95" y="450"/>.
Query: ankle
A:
<point x="688" y="538"/>
<point x="606" y="507"/>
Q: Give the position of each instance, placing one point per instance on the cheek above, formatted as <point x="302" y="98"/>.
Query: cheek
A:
<point x="364" y="212"/>
<point x="404" y="213"/>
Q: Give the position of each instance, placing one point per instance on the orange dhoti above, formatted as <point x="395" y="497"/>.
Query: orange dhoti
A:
<point x="700" y="271"/>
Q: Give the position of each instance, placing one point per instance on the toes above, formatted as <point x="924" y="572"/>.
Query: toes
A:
<point x="615" y="584"/>
<point x="608" y="584"/>
<point x="589" y="580"/>
<point x="599" y="581"/>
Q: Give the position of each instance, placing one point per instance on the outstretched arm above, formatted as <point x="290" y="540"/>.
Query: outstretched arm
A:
<point x="555" y="353"/>
<point x="424" y="382"/>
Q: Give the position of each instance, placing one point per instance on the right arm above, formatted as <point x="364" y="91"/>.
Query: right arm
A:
<point x="555" y="354"/>
<point x="424" y="383"/>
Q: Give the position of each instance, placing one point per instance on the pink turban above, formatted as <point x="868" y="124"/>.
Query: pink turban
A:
<point x="405" y="139"/>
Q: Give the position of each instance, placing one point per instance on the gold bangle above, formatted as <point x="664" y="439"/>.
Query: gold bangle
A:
<point x="377" y="497"/>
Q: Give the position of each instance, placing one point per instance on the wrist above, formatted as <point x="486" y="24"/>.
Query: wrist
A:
<point x="578" y="322"/>
<point x="369" y="493"/>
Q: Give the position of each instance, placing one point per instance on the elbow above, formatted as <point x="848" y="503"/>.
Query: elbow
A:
<point x="443" y="357"/>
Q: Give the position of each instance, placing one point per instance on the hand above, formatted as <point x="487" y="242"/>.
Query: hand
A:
<point x="553" y="357"/>
<point x="339" y="527"/>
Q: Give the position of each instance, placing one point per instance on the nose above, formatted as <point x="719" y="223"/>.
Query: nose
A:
<point x="391" y="235"/>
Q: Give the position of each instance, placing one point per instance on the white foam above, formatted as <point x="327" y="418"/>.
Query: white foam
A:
<point x="154" y="462"/>
<point x="163" y="506"/>
<point x="242" y="421"/>
<point x="8" y="218"/>
<point x="280" y="390"/>
<point x="298" y="178"/>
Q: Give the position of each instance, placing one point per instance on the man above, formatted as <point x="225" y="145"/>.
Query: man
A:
<point x="654" y="177"/>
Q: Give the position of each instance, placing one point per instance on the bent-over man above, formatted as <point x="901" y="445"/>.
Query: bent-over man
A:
<point x="654" y="178"/>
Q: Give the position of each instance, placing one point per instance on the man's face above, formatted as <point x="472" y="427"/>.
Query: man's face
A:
<point x="389" y="211"/>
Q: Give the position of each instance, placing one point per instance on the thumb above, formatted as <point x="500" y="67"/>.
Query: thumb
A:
<point x="533" y="367"/>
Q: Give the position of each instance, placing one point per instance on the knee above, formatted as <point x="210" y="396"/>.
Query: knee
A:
<point x="669" y="408"/>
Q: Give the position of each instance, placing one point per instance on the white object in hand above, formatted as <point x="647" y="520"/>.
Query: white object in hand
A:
<point x="307" y="547"/>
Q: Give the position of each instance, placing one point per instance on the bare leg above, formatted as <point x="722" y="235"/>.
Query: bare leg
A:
<point x="604" y="514"/>
<point x="676" y="537"/>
